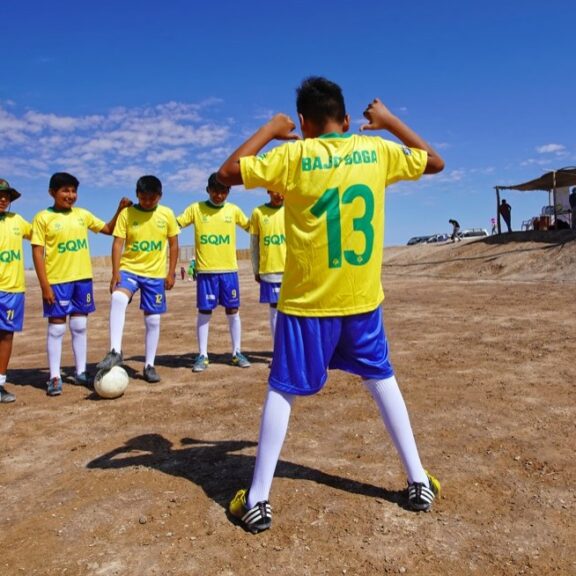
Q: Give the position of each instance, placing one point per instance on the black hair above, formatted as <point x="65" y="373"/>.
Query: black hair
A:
<point x="215" y="184"/>
<point x="62" y="180"/>
<point x="149" y="184"/>
<point x="320" y="100"/>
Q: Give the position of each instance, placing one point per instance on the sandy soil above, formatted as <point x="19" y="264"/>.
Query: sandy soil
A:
<point x="482" y="341"/>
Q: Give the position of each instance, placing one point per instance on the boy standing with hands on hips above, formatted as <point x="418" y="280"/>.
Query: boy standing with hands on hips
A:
<point x="216" y="267"/>
<point x="329" y="314"/>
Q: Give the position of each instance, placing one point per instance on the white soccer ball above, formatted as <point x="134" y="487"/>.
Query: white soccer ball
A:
<point x="111" y="383"/>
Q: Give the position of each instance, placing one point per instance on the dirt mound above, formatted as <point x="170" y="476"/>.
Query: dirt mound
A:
<point x="521" y="256"/>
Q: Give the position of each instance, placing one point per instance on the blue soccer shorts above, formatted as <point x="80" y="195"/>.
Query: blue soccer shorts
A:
<point x="71" y="298"/>
<point x="219" y="288"/>
<point x="269" y="292"/>
<point x="11" y="311"/>
<point x="152" y="291"/>
<point x="306" y="347"/>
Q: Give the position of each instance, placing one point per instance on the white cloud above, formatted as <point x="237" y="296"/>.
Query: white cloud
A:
<point x="551" y="149"/>
<point x="115" y="147"/>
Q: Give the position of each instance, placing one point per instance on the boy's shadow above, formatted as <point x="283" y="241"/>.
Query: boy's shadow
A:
<point x="187" y="360"/>
<point x="218" y="468"/>
<point x="38" y="377"/>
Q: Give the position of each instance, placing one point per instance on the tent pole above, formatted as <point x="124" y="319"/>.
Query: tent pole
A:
<point x="498" y="208"/>
<point x="554" y="196"/>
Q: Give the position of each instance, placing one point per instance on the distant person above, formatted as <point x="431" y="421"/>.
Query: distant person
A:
<point x="217" y="282"/>
<point x="61" y="256"/>
<point x="268" y="251"/>
<point x="506" y="213"/>
<point x="145" y="236"/>
<point x="13" y="231"/>
<point x="456" y="236"/>
<point x="192" y="270"/>
<point x="182" y="273"/>
<point x="572" y="200"/>
<point x="329" y="313"/>
<point x="493" y="223"/>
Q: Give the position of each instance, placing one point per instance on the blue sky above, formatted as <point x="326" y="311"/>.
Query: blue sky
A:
<point x="113" y="90"/>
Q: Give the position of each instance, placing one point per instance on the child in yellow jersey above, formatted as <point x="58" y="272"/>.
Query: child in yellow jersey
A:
<point x="329" y="314"/>
<point x="13" y="230"/>
<point x="143" y="235"/>
<point x="216" y="268"/>
<point x="268" y="251"/>
<point x="62" y="261"/>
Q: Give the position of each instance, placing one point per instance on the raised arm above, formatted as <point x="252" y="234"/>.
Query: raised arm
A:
<point x="280" y="127"/>
<point x="380" y="118"/>
<point x="109" y="226"/>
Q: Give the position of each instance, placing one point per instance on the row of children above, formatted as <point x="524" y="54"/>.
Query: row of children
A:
<point x="144" y="257"/>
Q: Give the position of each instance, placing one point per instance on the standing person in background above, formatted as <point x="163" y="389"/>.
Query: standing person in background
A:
<point x="456" y="236"/>
<point x="144" y="236"/>
<point x="493" y="223"/>
<point x="216" y="267"/>
<point x="13" y="230"/>
<point x="268" y="251"/>
<point x="62" y="261"/>
<point x="329" y="313"/>
<point x="506" y="213"/>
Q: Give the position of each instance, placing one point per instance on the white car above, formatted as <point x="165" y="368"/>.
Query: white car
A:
<point x="474" y="232"/>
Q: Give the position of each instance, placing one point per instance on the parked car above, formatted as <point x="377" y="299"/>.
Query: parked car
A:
<point x="417" y="240"/>
<point x="435" y="238"/>
<point x="473" y="232"/>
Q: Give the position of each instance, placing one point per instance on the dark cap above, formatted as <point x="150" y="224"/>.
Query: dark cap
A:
<point x="5" y="187"/>
<point x="215" y="184"/>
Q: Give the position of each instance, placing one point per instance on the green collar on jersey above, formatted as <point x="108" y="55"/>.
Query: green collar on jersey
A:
<point x="335" y="135"/>
<point x="138" y="207"/>
<point x="58" y="210"/>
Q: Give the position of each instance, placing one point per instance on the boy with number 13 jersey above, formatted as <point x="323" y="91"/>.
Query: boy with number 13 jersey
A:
<point x="329" y="317"/>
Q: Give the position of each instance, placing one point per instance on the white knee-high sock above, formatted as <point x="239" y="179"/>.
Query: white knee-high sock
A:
<point x="54" y="347"/>
<point x="273" y="427"/>
<point x="202" y="331"/>
<point x="394" y="413"/>
<point x="118" y="306"/>
<point x="273" y="316"/>
<point x="152" y="322"/>
<point x="235" y="331"/>
<point x="78" y="326"/>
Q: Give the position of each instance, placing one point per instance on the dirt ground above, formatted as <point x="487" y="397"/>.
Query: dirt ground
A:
<point x="482" y="339"/>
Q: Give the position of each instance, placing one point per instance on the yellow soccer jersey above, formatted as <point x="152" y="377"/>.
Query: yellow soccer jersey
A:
<point x="333" y="190"/>
<point x="145" y="236"/>
<point x="267" y="222"/>
<point x="64" y="235"/>
<point x="214" y="234"/>
<point x="13" y="230"/>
